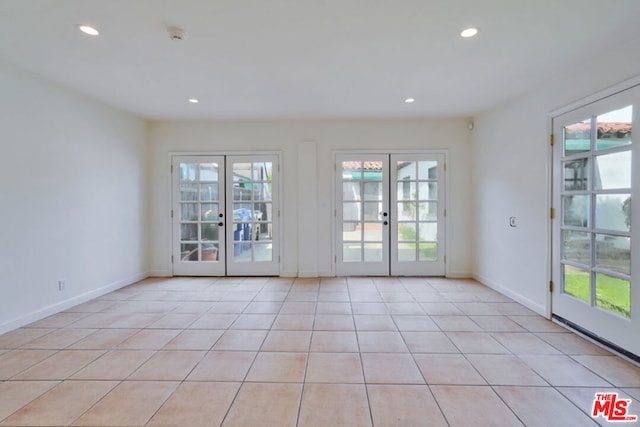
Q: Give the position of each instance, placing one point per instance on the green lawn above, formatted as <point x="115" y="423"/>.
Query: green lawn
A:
<point x="611" y="293"/>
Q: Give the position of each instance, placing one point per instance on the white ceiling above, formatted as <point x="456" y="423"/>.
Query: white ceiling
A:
<point x="266" y="59"/>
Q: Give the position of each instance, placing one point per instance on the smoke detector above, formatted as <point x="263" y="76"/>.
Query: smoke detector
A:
<point x="176" y="33"/>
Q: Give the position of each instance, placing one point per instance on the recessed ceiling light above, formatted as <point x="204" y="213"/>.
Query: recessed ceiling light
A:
<point x="87" y="29"/>
<point x="194" y="100"/>
<point x="469" y="32"/>
<point x="409" y="100"/>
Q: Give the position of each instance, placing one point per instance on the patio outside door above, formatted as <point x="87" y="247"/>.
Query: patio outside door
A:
<point x="225" y="215"/>
<point x="390" y="214"/>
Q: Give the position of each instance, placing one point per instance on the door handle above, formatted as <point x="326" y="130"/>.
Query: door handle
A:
<point x="385" y="223"/>
<point x="220" y="224"/>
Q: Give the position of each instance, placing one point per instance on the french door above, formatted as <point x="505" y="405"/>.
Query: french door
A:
<point x="595" y="254"/>
<point x="390" y="214"/>
<point x="225" y="215"/>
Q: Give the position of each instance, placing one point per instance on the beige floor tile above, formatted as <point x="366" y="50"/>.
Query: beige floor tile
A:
<point x="423" y="296"/>
<point x="93" y="306"/>
<point x="287" y="341"/>
<point x="193" y="307"/>
<point x="396" y="296"/>
<point x="223" y="366"/>
<point x="415" y="323"/>
<point x="374" y="322"/>
<point x="294" y="322"/>
<point x="497" y="324"/>
<point x="102" y="320"/>
<point x="278" y="367"/>
<point x="174" y="321"/>
<point x="537" y="324"/>
<point x="62" y="405"/>
<point x="149" y="339"/>
<point x="365" y="296"/>
<point x="59" y="339"/>
<point x="505" y="369"/>
<point x="334" y="322"/>
<point x="19" y="337"/>
<point x="476" y="342"/>
<point x="16" y="394"/>
<point x="167" y="365"/>
<point x="477" y="309"/>
<point x="332" y="296"/>
<point x="429" y="342"/>
<point x="301" y="296"/>
<point x="240" y="340"/>
<point x="194" y="339"/>
<point x="229" y="307"/>
<point x="134" y="320"/>
<point x="333" y="308"/>
<point x="448" y="369"/>
<point x="405" y="308"/>
<point x="460" y="296"/>
<point x="570" y="343"/>
<point x="131" y="403"/>
<point x="404" y="405"/>
<point x="60" y="365"/>
<point x="563" y="371"/>
<point x="59" y="320"/>
<point x="524" y="343"/>
<point x="390" y="368"/>
<point x="511" y="308"/>
<point x="196" y="404"/>
<point x="214" y="321"/>
<point x="334" y="341"/>
<point x="543" y="406"/>
<point x="274" y="298"/>
<point x="347" y="402"/>
<point x="298" y="308"/>
<point x="381" y="342"/>
<point x="253" y="321"/>
<point x="114" y="365"/>
<point x="265" y="405"/>
<point x="441" y="308"/>
<point x="342" y="368"/>
<point x="617" y="371"/>
<point x="15" y="361"/>
<point x="263" y="307"/>
<point x="456" y="324"/>
<point x="104" y="339"/>
<point x="365" y="308"/>
<point x="473" y="406"/>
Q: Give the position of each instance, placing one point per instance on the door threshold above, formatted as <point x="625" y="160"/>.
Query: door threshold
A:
<point x="596" y="339"/>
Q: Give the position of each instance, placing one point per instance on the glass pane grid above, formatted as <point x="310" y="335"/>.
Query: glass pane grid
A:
<point x="596" y="211"/>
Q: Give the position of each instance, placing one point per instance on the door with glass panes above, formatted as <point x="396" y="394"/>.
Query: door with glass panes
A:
<point x="595" y="256"/>
<point x="225" y="215"/>
<point x="390" y="214"/>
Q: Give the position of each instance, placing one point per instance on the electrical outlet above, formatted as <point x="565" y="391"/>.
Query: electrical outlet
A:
<point x="62" y="285"/>
<point x="513" y="222"/>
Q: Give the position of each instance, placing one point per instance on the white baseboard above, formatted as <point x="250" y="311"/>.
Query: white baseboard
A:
<point x="49" y="310"/>
<point x="160" y="273"/>
<point x="540" y="309"/>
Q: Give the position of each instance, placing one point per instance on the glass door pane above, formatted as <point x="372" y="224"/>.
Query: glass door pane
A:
<point x="594" y="256"/>
<point x="198" y="215"/>
<point x="418" y="215"/>
<point x="252" y="186"/>
<point x="363" y="216"/>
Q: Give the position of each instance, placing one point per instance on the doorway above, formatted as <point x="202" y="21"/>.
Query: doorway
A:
<point x="390" y="214"/>
<point x="595" y="256"/>
<point x="225" y="215"/>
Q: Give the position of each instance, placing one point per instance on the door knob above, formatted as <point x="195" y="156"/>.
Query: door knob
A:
<point x="220" y="224"/>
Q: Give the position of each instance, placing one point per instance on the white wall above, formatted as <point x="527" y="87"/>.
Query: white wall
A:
<point x="315" y="141"/>
<point x="72" y="198"/>
<point x="511" y="170"/>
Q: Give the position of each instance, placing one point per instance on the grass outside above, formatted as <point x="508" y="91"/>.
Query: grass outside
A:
<point x="612" y="294"/>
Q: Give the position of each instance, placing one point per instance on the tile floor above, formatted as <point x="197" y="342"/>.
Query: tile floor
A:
<point x="285" y="352"/>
